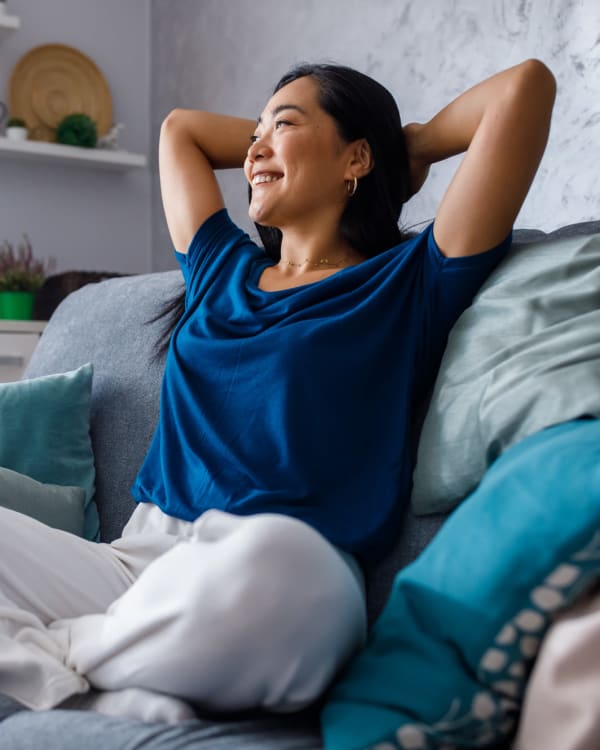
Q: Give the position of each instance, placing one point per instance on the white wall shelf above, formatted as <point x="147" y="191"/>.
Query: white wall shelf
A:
<point x="8" y="24"/>
<point x="57" y="153"/>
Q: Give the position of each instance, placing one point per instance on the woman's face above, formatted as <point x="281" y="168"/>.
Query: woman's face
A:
<point x="298" y="163"/>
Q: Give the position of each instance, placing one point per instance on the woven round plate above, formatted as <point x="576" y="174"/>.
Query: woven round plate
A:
<point x="54" y="80"/>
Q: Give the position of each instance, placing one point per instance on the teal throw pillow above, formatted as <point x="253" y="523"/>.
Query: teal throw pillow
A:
<point x="447" y="661"/>
<point x="45" y="433"/>
<point x="52" y="504"/>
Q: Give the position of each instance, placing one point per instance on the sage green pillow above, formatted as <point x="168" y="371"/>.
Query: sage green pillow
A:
<point x="45" y="433"/>
<point x="523" y="357"/>
<point x="52" y="504"/>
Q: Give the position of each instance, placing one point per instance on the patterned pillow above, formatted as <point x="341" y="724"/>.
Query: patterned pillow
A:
<point x="447" y="662"/>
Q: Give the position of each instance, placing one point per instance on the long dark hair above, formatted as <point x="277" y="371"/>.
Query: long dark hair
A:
<point x="361" y="108"/>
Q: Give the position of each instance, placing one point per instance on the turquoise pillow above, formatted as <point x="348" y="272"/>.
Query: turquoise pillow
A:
<point x="45" y="433"/>
<point x="52" y="504"/>
<point x="447" y="661"/>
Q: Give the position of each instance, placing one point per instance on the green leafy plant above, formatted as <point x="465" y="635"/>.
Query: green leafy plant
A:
<point x="77" y="130"/>
<point x="16" y="122"/>
<point x="19" y="270"/>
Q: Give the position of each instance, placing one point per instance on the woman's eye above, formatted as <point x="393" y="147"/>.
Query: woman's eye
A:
<point x="279" y="123"/>
<point x="253" y="138"/>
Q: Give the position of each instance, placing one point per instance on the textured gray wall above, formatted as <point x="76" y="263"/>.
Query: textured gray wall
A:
<point x="226" y="55"/>
<point x="85" y="218"/>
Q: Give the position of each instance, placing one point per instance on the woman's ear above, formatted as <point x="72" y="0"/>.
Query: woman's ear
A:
<point x="361" y="161"/>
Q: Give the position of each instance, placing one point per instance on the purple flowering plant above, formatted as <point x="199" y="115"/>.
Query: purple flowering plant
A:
<point x="19" y="270"/>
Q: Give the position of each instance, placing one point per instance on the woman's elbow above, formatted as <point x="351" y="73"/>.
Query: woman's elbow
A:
<point x="539" y="79"/>
<point x="530" y="94"/>
<point x="171" y="119"/>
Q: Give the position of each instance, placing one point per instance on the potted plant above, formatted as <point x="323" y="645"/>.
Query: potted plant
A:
<point x="16" y="129"/>
<point x="21" y="276"/>
<point x="77" y="129"/>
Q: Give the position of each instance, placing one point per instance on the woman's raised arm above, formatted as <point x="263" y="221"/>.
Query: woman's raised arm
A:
<point x="192" y="145"/>
<point x="503" y="125"/>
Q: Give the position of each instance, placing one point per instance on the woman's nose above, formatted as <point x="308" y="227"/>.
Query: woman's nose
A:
<point x="258" y="149"/>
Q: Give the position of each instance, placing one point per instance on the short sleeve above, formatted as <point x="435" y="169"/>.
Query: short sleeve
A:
<point x="455" y="281"/>
<point x="214" y="241"/>
<point x="450" y="285"/>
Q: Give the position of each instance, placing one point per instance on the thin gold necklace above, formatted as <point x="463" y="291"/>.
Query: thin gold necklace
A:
<point x="318" y="264"/>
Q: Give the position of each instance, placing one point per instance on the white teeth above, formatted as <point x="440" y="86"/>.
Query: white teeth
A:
<point x="265" y="178"/>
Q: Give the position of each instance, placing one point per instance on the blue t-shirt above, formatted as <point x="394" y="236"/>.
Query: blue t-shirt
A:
<point x="300" y="401"/>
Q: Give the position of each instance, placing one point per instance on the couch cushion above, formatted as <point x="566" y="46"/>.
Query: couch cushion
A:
<point x="74" y="730"/>
<point x="8" y="707"/>
<point x="107" y="324"/>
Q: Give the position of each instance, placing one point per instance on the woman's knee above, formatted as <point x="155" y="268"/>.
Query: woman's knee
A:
<point x="261" y="616"/>
<point x="280" y="558"/>
<point x="302" y="607"/>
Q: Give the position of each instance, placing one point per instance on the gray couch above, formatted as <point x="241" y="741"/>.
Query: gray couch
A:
<point x="107" y="323"/>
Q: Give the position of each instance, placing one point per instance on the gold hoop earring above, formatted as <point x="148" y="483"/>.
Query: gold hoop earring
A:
<point x="352" y="186"/>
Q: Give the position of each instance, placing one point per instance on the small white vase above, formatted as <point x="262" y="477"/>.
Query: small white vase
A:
<point x="17" y="134"/>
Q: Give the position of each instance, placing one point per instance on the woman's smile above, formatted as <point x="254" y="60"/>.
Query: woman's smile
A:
<point x="261" y="178"/>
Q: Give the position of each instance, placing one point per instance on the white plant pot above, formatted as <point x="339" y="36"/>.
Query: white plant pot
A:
<point x="17" y="134"/>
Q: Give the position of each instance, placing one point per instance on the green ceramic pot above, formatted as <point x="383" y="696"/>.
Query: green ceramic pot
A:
<point x="16" y="305"/>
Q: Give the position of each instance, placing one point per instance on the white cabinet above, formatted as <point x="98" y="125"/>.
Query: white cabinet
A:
<point x="18" y="339"/>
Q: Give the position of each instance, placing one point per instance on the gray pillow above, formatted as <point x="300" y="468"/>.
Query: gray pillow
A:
<point x="524" y="356"/>
<point x="55" y="505"/>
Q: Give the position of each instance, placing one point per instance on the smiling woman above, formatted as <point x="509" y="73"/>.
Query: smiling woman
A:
<point x="282" y="458"/>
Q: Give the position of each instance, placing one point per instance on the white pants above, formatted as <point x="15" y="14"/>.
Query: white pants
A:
<point x="227" y="612"/>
